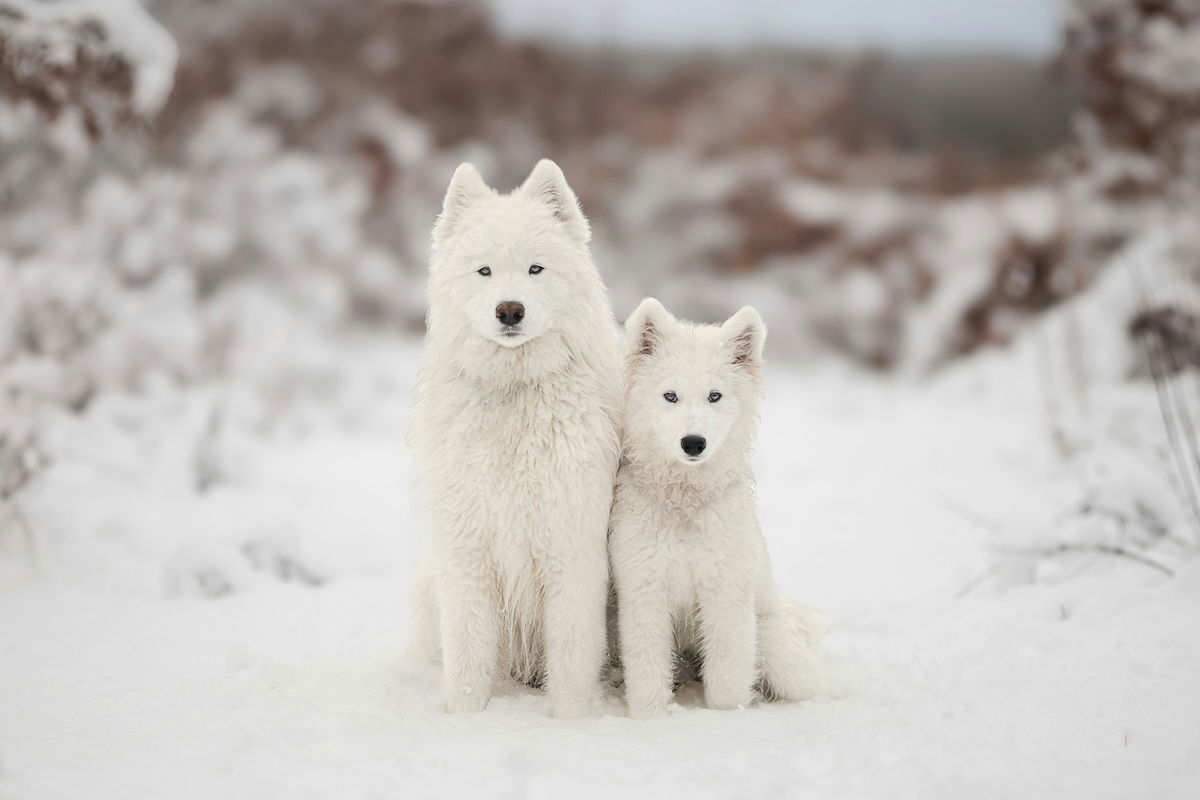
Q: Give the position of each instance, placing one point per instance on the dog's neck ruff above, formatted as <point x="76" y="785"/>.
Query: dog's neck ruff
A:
<point x="689" y="488"/>
<point x="496" y="367"/>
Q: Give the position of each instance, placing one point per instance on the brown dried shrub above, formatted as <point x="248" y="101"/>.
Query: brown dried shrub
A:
<point x="94" y="80"/>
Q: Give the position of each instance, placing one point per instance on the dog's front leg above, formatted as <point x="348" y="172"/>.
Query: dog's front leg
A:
<point x="469" y="632"/>
<point x="575" y="629"/>
<point x="647" y="644"/>
<point x="727" y="628"/>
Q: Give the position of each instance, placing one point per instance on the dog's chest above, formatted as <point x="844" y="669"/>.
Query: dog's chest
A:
<point x="516" y="464"/>
<point x="518" y="438"/>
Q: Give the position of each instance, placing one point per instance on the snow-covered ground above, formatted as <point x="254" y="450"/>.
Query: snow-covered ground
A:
<point x="212" y="601"/>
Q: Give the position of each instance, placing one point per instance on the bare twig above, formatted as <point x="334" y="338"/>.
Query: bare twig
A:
<point x="26" y="528"/>
<point x="1166" y="405"/>
<point x="1184" y="415"/>
<point x="1064" y="548"/>
<point x="1072" y="334"/>
<point x="969" y="514"/>
<point x="1144" y="519"/>
<point x="1054" y="415"/>
<point x="976" y="582"/>
<point x="1179" y="386"/>
<point x="1076" y="364"/>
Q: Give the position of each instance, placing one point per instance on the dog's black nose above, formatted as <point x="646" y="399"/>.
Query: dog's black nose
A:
<point x="510" y="313"/>
<point x="692" y="445"/>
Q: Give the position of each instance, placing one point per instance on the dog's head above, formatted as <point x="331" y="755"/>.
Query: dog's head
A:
<point x="509" y="263"/>
<point x="691" y="389"/>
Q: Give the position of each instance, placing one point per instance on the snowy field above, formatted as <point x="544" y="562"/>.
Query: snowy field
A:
<point x="212" y="601"/>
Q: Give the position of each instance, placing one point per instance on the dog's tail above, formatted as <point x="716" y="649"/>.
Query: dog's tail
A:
<point x="789" y="642"/>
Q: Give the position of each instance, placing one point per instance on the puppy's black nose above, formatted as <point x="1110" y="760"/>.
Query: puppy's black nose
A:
<point x="510" y="313"/>
<point x="692" y="445"/>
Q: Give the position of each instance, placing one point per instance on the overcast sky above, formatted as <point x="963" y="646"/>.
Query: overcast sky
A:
<point x="1028" y="26"/>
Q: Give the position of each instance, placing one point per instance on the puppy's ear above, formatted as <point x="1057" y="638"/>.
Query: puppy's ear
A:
<point x="745" y="335"/>
<point x="548" y="185"/>
<point x="645" y="328"/>
<point x="466" y="188"/>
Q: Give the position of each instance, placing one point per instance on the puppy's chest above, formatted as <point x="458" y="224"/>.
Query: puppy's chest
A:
<point x="692" y="550"/>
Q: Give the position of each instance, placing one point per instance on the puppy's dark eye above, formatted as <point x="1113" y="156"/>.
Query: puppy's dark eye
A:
<point x="484" y="271"/>
<point x="671" y="397"/>
<point x="714" y="397"/>
<point x="535" y="269"/>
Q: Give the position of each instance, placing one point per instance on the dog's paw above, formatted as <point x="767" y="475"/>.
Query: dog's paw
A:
<point x="574" y="706"/>
<point x="647" y="710"/>
<point x="465" y="700"/>
<point x="647" y="707"/>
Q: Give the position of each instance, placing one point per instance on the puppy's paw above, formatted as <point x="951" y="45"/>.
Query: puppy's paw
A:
<point x="727" y="698"/>
<point x="648" y="708"/>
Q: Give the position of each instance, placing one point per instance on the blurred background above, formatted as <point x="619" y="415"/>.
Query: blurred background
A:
<point x="219" y="194"/>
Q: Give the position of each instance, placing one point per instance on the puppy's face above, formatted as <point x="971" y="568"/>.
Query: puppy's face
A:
<point x="507" y="263"/>
<point x="689" y="387"/>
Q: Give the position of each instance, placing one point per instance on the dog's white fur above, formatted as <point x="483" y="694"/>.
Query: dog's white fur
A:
<point x="688" y="559"/>
<point x="515" y="438"/>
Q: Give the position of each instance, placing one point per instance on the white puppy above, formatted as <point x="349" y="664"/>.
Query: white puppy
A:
<point x="515" y="435"/>
<point x="688" y="560"/>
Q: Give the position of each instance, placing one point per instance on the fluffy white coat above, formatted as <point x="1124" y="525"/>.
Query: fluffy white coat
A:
<point x="514" y="432"/>
<point x="688" y="559"/>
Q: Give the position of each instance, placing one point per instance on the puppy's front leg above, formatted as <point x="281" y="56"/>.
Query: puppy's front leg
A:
<point x="727" y="626"/>
<point x="647" y="646"/>
<point x="470" y="631"/>
<point x="575" y="629"/>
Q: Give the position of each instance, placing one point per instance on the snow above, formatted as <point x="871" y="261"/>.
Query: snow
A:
<point x="213" y="600"/>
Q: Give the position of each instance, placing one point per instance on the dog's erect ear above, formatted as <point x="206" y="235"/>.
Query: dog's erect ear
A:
<point x="646" y="326"/>
<point x="745" y="335"/>
<point x="466" y="187"/>
<point x="548" y="185"/>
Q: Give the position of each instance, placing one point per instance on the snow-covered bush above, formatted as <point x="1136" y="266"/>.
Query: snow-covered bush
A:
<point x="1140" y="64"/>
<point x="71" y="73"/>
<point x="106" y="61"/>
<point x="1117" y="364"/>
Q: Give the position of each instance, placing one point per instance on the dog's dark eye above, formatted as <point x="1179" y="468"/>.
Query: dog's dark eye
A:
<point x="671" y="397"/>
<point x="535" y="269"/>
<point x="484" y="271"/>
<point x="714" y="397"/>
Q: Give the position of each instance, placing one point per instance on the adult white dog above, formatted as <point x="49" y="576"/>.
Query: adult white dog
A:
<point x="688" y="559"/>
<point x="515" y="434"/>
